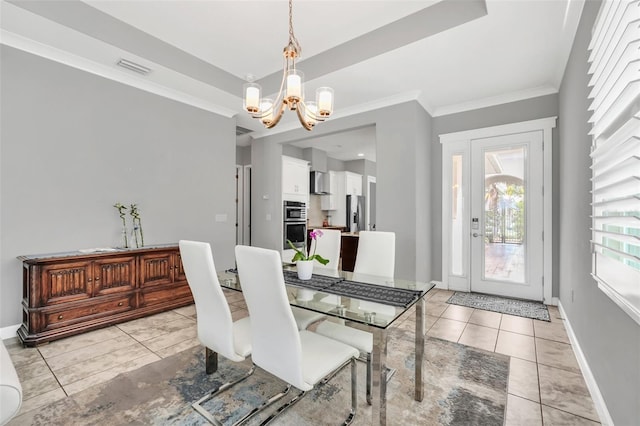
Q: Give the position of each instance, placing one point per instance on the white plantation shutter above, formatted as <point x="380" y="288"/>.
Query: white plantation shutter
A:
<point x="615" y="153"/>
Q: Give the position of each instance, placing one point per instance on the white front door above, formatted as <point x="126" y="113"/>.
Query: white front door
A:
<point x="507" y="210"/>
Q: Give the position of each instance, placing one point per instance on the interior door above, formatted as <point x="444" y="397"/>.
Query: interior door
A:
<point x="507" y="213"/>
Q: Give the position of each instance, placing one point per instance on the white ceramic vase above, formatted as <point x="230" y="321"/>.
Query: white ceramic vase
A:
<point x="304" y="295"/>
<point x="305" y="269"/>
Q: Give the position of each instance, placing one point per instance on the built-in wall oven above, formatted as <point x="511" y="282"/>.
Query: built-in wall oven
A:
<point x="295" y="224"/>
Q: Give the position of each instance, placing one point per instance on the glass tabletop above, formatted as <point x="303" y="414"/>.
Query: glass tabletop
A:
<point x="354" y="309"/>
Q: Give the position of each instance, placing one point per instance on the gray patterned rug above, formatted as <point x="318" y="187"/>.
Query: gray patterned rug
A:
<point x="521" y="308"/>
<point x="463" y="386"/>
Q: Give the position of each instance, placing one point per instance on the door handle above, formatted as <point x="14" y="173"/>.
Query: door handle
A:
<point x="475" y="234"/>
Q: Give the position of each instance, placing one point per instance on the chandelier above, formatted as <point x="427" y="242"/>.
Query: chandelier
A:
<point x="291" y="93"/>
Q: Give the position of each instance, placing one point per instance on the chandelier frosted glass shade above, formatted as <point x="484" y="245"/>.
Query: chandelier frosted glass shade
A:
<point x="252" y="97"/>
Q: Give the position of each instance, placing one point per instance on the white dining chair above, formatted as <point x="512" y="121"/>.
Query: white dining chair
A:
<point x="216" y="330"/>
<point x="299" y="357"/>
<point x="376" y="256"/>
<point x="328" y="246"/>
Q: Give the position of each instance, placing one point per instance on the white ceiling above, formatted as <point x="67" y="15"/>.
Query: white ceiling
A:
<point x="450" y="55"/>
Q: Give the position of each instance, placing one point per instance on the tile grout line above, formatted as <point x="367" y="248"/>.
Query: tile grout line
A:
<point x="535" y="348"/>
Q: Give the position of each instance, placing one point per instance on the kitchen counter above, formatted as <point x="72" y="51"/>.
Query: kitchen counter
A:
<point x="348" y="250"/>
<point x="348" y="246"/>
<point x="339" y="228"/>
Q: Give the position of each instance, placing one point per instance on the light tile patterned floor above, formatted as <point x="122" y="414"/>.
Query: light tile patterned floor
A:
<point x="545" y="383"/>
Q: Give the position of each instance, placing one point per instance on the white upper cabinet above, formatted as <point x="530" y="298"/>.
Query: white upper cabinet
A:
<point x="295" y="179"/>
<point x="341" y="184"/>
<point x="353" y="183"/>
<point x="330" y="202"/>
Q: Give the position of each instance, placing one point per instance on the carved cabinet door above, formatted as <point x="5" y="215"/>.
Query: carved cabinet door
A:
<point x="114" y="275"/>
<point x="156" y="269"/>
<point x="66" y="282"/>
<point x="178" y="269"/>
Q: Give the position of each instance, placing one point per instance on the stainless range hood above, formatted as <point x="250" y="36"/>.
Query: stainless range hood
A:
<point x="319" y="183"/>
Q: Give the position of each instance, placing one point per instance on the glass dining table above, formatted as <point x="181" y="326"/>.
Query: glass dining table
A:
<point x="366" y="302"/>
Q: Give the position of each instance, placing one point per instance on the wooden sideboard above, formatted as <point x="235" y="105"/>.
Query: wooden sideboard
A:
<point x="70" y="293"/>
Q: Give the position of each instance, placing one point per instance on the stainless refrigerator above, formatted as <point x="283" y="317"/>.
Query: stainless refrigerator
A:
<point x="355" y="213"/>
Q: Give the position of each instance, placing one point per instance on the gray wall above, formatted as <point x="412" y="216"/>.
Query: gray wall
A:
<point x="293" y="151"/>
<point x="333" y="164"/>
<point x="243" y="155"/>
<point x="266" y="195"/>
<point x="362" y="167"/>
<point x="73" y="144"/>
<point x="402" y="186"/>
<point x="402" y="132"/>
<point x="610" y="340"/>
<point x="529" y="109"/>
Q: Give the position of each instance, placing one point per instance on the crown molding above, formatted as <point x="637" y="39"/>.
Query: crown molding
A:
<point x="57" y="55"/>
<point x="495" y="100"/>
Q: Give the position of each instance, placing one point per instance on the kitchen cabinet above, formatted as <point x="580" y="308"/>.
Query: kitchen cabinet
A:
<point x="295" y="179"/>
<point x="353" y="183"/>
<point x="69" y="293"/>
<point x="346" y="183"/>
<point x="329" y="202"/>
<point x="348" y="251"/>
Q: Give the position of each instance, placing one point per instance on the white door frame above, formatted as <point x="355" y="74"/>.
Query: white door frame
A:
<point x="243" y="204"/>
<point x="246" y="210"/>
<point x="370" y="180"/>
<point x="460" y="142"/>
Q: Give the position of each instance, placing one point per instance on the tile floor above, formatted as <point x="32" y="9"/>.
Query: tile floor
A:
<point x="545" y="387"/>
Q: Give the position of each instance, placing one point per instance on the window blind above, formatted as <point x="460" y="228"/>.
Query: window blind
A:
<point x="615" y="152"/>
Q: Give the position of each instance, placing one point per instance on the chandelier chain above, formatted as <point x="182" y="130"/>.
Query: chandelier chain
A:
<point x="293" y="41"/>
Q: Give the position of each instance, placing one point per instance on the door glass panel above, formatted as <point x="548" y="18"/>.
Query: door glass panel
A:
<point x="457" y="255"/>
<point x="504" y="214"/>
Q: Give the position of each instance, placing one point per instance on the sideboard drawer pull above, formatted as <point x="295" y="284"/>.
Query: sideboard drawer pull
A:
<point x="60" y="317"/>
<point x="120" y="304"/>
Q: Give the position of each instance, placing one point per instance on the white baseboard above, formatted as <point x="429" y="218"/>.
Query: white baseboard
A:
<point x="592" y="385"/>
<point x="9" y="332"/>
<point x="439" y="285"/>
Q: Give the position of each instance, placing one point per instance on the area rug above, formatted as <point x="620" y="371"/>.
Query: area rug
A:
<point x="521" y="308"/>
<point x="463" y="386"/>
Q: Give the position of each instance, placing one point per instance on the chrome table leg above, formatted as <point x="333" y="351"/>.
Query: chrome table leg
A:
<point x="419" y="359"/>
<point x="379" y="385"/>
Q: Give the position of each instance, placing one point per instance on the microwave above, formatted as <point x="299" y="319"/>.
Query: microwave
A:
<point x="295" y="211"/>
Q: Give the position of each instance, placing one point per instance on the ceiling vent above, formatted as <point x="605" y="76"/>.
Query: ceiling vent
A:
<point x="132" y="66"/>
<point x="242" y="131"/>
